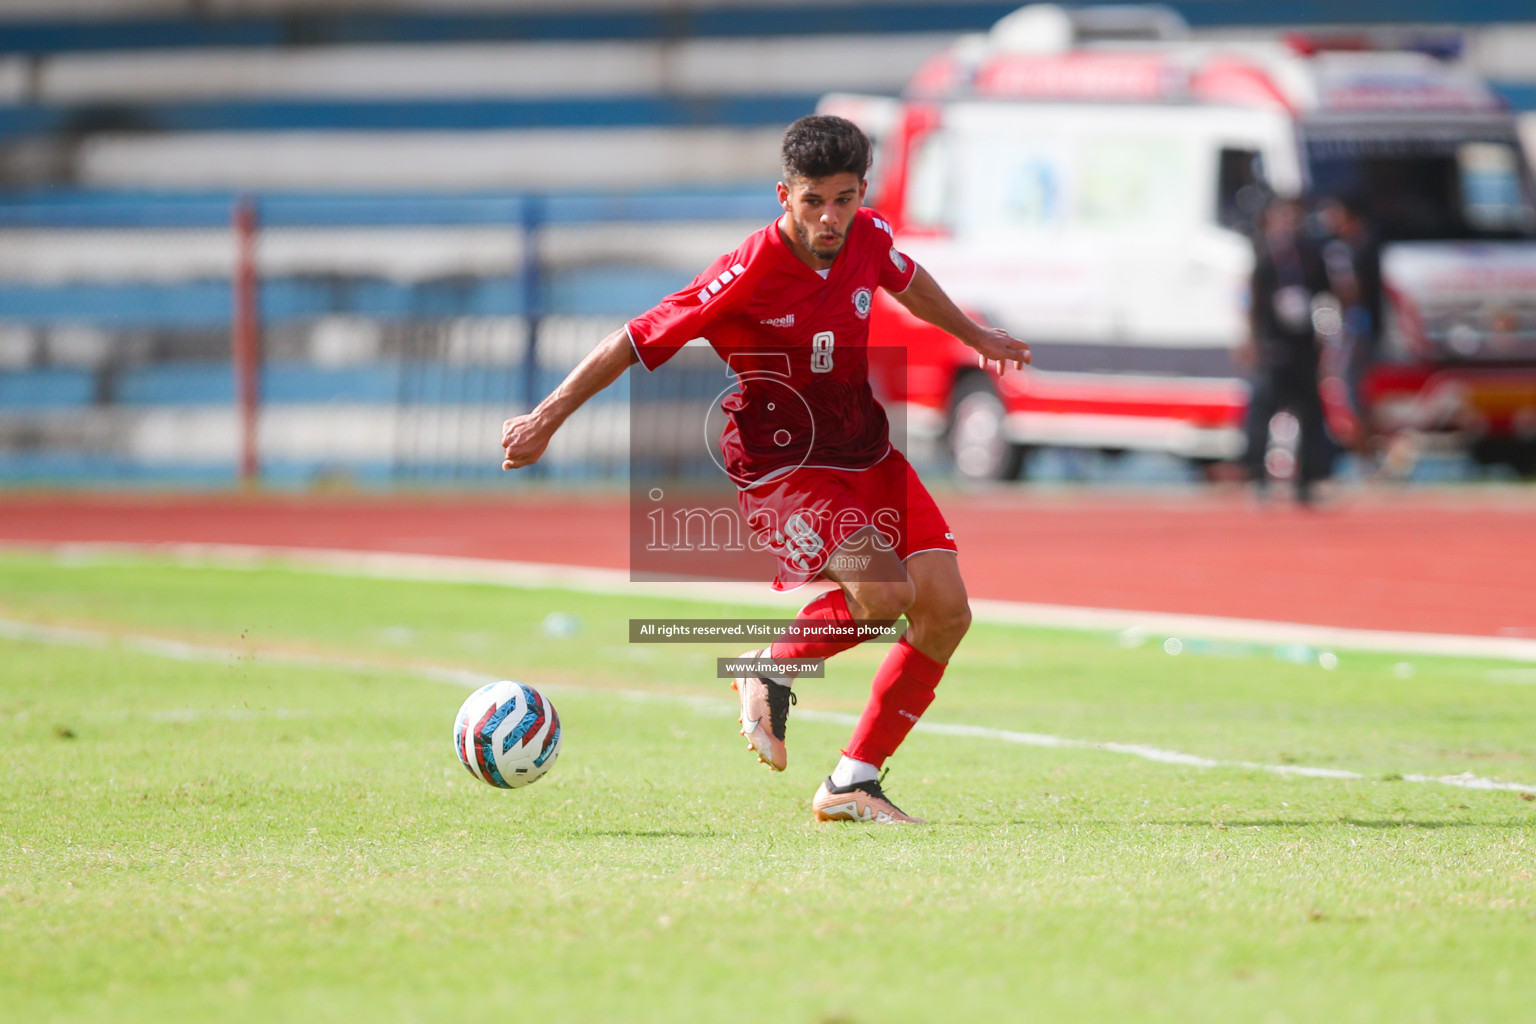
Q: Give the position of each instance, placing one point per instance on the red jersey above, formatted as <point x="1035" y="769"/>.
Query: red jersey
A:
<point x="798" y="343"/>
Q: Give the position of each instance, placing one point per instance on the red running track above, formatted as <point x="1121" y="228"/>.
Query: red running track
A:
<point x="1440" y="563"/>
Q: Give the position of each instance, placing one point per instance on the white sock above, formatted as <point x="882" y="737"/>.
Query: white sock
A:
<point x="788" y="682"/>
<point x="849" y="771"/>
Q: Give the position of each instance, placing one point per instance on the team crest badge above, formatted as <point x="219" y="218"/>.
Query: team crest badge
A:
<point x="861" y="302"/>
<point x="898" y="259"/>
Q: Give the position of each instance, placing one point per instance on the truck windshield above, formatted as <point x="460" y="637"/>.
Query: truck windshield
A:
<point x="1427" y="188"/>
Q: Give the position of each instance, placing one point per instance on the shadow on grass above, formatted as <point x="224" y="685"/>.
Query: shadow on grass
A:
<point x="1258" y="823"/>
<point x="1355" y="822"/>
<point x="638" y="833"/>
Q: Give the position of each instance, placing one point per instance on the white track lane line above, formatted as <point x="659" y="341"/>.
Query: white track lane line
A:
<point x="179" y="651"/>
<point x="616" y="582"/>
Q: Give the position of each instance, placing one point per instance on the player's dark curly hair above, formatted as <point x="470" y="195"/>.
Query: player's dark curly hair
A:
<point x="821" y="145"/>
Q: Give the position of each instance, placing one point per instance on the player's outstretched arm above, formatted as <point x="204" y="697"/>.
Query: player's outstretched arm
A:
<point x="524" y="438"/>
<point x="925" y="300"/>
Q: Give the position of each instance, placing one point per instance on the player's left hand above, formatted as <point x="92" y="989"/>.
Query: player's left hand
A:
<point x="523" y="441"/>
<point x="996" y="346"/>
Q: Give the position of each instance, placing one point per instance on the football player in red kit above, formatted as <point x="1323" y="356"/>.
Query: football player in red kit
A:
<point x="817" y="477"/>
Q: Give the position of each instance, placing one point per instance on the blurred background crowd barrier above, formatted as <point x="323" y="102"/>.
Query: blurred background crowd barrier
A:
<point x="415" y="217"/>
<point x="393" y="334"/>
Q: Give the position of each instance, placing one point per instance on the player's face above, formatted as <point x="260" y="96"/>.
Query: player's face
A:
<point x="818" y="212"/>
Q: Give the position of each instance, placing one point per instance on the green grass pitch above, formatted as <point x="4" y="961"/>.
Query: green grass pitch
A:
<point x="253" y="839"/>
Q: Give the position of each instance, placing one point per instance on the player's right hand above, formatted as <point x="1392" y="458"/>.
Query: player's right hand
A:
<point x="523" y="442"/>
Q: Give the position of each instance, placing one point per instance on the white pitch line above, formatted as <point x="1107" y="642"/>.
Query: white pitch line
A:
<point x="176" y="650"/>
<point x="1512" y="676"/>
<point x="616" y="582"/>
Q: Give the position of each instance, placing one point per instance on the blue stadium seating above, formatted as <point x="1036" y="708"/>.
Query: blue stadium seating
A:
<point x="185" y="383"/>
<point x="209" y="303"/>
<point x="101" y="208"/>
<point x="673" y="21"/>
<point x="42" y="387"/>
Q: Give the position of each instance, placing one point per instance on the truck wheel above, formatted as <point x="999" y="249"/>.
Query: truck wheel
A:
<point x="975" y="434"/>
<point x="1519" y="456"/>
<point x="1522" y="459"/>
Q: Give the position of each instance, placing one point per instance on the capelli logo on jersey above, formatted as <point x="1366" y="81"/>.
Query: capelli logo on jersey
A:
<point x="862" y="299"/>
<point x="787" y="320"/>
<point x="712" y="289"/>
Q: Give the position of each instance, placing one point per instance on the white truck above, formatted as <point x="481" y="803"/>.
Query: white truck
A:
<point x="1086" y="177"/>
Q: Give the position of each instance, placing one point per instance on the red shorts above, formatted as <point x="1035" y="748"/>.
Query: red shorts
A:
<point x="807" y="515"/>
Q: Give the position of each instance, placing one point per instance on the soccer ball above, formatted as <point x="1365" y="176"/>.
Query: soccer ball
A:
<point x="507" y="734"/>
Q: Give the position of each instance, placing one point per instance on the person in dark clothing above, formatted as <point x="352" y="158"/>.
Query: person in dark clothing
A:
<point x="1288" y="274"/>
<point x="1352" y="258"/>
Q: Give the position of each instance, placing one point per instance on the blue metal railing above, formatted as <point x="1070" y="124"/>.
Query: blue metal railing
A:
<point x="413" y="378"/>
<point x="417" y="114"/>
<point x="102" y="208"/>
<point x="205" y="303"/>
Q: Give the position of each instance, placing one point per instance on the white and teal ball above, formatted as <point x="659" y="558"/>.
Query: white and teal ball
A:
<point x="507" y="734"/>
